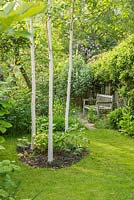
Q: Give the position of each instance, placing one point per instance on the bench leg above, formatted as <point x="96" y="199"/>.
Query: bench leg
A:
<point x="97" y="110"/>
<point x="83" y="111"/>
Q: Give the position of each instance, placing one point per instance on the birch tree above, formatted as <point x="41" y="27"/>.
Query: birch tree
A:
<point x="70" y="68"/>
<point x="50" y="134"/>
<point x="33" y="97"/>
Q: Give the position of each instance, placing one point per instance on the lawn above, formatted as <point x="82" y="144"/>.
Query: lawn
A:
<point x="107" y="173"/>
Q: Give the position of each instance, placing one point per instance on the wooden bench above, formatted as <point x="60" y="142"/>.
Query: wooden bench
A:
<point x="102" y="102"/>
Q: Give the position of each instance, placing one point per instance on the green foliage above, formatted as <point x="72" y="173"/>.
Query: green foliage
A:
<point x="62" y="141"/>
<point x="42" y="124"/>
<point x="5" y="107"/>
<point x="41" y="141"/>
<point x="59" y="122"/>
<point x="59" y="116"/>
<point x="23" y="142"/>
<point x="81" y="78"/>
<point x="127" y="121"/>
<point x="115" y="117"/>
<point x="123" y="120"/>
<point x="1" y="141"/>
<point x="116" y="66"/>
<point x="59" y="143"/>
<point x="92" y="115"/>
<point x="7" y="185"/>
<point x="12" y="13"/>
<point x="58" y="119"/>
<point x="20" y="116"/>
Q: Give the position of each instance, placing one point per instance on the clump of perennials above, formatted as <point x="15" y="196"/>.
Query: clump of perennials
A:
<point x="69" y="148"/>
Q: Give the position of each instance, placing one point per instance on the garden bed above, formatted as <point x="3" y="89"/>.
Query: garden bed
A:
<point x="35" y="158"/>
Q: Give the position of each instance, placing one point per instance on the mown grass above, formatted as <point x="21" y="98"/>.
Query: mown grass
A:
<point x="107" y="173"/>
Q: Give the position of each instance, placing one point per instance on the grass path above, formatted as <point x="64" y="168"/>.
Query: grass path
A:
<point x="106" y="174"/>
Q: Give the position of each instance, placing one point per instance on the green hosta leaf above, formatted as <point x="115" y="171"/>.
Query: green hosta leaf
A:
<point x="2" y="140"/>
<point x="2" y="129"/>
<point x="2" y="112"/>
<point x="6" y="166"/>
<point x="8" y="183"/>
<point x="3" y="194"/>
<point x="1" y="147"/>
<point x="5" y="104"/>
<point x="4" y="125"/>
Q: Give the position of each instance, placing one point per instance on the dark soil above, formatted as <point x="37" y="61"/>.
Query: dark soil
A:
<point x="61" y="158"/>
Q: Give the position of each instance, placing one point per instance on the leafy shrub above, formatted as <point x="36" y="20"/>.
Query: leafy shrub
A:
<point x="115" y="117"/>
<point x="20" y="116"/>
<point x="23" y="142"/>
<point x="127" y="121"/>
<point x="58" y="119"/>
<point x="8" y="186"/>
<point x="59" y="122"/>
<point x="92" y="115"/>
<point x="42" y="124"/>
<point x="1" y="141"/>
<point x="61" y="141"/>
<point x="82" y="78"/>
<point x="116" y="66"/>
<point x="101" y="121"/>
<point x="5" y="107"/>
<point x="41" y="141"/>
<point x="123" y="120"/>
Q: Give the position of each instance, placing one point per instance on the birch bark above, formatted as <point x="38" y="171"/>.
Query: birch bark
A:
<point x="50" y="134"/>
<point x="70" y="69"/>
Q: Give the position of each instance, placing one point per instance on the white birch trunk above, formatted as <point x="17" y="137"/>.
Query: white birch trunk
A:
<point x="70" y="70"/>
<point x="33" y="98"/>
<point x="69" y="82"/>
<point x="50" y="134"/>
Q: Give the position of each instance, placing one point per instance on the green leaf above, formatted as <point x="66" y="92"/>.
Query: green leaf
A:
<point x="3" y="194"/>
<point x="1" y="1"/>
<point x="4" y="125"/>
<point x="31" y="10"/>
<point x="25" y="10"/>
<point x="2" y="129"/>
<point x="25" y="34"/>
<point x="2" y="140"/>
<point x="1" y="147"/>
<point x="8" y="9"/>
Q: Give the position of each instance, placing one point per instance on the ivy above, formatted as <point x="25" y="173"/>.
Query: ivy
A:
<point x="117" y="65"/>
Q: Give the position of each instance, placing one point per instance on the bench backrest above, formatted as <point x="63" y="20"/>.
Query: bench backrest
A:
<point x="104" y="100"/>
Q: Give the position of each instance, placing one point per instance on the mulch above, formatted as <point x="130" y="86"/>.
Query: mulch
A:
<point x="37" y="159"/>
